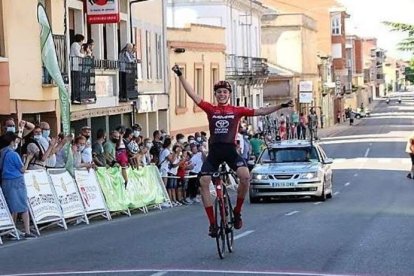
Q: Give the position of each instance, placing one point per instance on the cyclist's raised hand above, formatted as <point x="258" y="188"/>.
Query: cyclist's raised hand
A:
<point x="177" y="70"/>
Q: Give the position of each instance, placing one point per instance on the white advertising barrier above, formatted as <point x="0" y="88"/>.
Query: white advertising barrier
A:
<point x="43" y="203"/>
<point x="6" y="221"/>
<point x="91" y="192"/>
<point x="67" y="193"/>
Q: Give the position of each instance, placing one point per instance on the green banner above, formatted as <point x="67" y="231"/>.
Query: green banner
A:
<point x="49" y="59"/>
<point x="144" y="188"/>
<point x="113" y="188"/>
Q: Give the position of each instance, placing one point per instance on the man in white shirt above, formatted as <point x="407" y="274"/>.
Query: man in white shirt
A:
<point x="196" y="162"/>
<point x="86" y="153"/>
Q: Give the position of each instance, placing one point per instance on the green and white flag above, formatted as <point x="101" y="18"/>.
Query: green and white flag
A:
<point x="49" y="59"/>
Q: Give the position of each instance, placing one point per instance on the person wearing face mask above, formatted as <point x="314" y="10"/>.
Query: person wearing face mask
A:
<point x="136" y="130"/>
<point x="198" y="138"/>
<point x="144" y="156"/>
<point x="34" y="147"/>
<point x="98" y="150"/>
<point x="45" y="142"/>
<point x="13" y="186"/>
<point x="191" y="139"/>
<point x="109" y="148"/>
<point x="131" y="141"/>
<point x="180" y="139"/>
<point x="23" y="129"/>
<point x="87" y="151"/>
<point x="78" y="147"/>
<point x="156" y="147"/>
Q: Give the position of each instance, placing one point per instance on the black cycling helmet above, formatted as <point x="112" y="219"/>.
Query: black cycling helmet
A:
<point x="222" y="84"/>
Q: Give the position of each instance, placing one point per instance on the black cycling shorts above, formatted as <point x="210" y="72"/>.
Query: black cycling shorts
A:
<point x="412" y="158"/>
<point x="219" y="153"/>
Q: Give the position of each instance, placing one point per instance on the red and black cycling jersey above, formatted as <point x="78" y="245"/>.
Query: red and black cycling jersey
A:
<point x="224" y="121"/>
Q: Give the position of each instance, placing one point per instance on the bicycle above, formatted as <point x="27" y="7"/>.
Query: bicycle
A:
<point x="223" y="212"/>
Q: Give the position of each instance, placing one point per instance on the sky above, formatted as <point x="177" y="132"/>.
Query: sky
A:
<point x="366" y="18"/>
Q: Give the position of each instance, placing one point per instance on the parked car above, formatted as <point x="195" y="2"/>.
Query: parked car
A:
<point x="292" y="168"/>
<point x="359" y="114"/>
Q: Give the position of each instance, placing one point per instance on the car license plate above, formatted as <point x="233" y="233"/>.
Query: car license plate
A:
<point x="283" y="184"/>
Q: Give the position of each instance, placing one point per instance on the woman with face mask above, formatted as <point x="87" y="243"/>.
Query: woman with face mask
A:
<point x="77" y="148"/>
<point x="34" y="147"/>
<point x="13" y="185"/>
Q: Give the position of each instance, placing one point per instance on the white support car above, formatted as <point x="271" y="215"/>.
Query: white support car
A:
<point x="292" y="168"/>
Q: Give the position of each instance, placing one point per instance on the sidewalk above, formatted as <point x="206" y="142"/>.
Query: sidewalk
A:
<point x="337" y="128"/>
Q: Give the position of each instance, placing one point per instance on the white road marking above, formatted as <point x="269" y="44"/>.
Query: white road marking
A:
<point x="347" y="183"/>
<point x="244" y="234"/>
<point x="370" y="144"/>
<point x="317" y="203"/>
<point x="384" y="160"/>
<point x="367" y="152"/>
<point x="194" y="271"/>
<point x="356" y="174"/>
<point x="336" y="193"/>
<point x="339" y="160"/>
<point x="291" y="213"/>
<point x="159" y="273"/>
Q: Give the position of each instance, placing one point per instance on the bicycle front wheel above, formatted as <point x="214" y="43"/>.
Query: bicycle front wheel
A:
<point x="229" y="221"/>
<point x="221" y="235"/>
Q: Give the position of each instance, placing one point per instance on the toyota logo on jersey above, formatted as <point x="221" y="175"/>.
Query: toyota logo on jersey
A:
<point x="222" y="123"/>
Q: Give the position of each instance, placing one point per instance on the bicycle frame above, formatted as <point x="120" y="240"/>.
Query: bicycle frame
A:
<point x="223" y="213"/>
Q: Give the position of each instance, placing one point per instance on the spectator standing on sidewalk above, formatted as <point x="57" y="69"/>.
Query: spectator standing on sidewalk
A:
<point x="410" y="150"/>
<point x="156" y="148"/>
<point x="256" y="145"/>
<point x="303" y="122"/>
<point x="98" y="150"/>
<point x="172" y="174"/>
<point x="23" y="130"/>
<point x="351" y="118"/>
<point x="338" y="117"/>
<point x="109" y="148"/>
<point x="35" y="152"/>
<point x="313" y="123"/>
<point x="13" y="185"/>
<point x="183" y="170"/>
<point x="294" y="124"/>
<point x="196" y="160"/>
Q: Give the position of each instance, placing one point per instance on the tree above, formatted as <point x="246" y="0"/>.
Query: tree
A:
<point x="406" y="44"/>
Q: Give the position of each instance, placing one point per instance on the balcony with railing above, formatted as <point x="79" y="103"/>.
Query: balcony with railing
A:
<point x="127" y="81"/>
<point x="240" y="67"/>
<point x="60" y="46"/>
<point x="87" y="72"/>
<point x="82" y="80"/>
<point x="259" y="67"/>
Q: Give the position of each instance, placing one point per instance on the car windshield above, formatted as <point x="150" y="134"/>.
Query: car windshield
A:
<point x="287" y="155"/>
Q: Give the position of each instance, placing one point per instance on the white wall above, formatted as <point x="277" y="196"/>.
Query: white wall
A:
<point x="241" y="39"/>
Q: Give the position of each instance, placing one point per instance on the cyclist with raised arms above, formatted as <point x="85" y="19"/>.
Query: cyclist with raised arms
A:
<point x="224" y="120"/>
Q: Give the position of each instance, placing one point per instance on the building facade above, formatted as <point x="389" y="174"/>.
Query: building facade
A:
<point x="245" y="68"/>
<point x="202" y="62"/>
<point x="109" y="92"/>
<point x="289" y="43"/>
<point x="319" y="11"/>
<point x="25" y="92"/>
<point x="125" y="93"/>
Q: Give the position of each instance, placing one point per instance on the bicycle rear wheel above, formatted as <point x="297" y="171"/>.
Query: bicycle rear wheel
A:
<point x="229" y="221"/>
<point x="221" y="235"/>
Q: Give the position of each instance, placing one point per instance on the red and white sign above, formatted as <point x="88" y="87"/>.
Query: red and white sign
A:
<point x="102" y="11"/>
